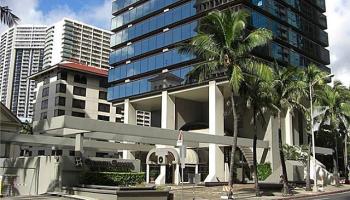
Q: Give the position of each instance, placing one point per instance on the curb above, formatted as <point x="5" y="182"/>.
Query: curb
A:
<point x="315" y="195"/>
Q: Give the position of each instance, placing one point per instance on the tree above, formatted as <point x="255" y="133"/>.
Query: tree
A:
<point x="286" y="92"/>
<point x="223" y="43"/>
<point x="26" y="129"/>
<point x="335" y="100"/>
<point x="7" y="17"/>
<point x="311" y="75"/>
<point x="256" y="92"/>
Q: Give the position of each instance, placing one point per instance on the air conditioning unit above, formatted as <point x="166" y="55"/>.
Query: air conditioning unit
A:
<point x="162" y="160"/>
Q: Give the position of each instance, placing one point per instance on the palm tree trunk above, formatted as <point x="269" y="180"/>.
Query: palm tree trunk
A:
<point x="308" y="181"/>
<point x="234" y="143"/>
<point x="255" y="169"/>
<point x="336" y="169"/>
<point x="283" y="163"/>
<point x="346" y="158"/>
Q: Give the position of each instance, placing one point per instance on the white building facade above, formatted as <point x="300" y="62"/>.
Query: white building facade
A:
<point x="21" y="55"/>
<point x="75" y="41"/>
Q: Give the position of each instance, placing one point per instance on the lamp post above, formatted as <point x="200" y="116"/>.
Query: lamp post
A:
<point x="311" y="85"/>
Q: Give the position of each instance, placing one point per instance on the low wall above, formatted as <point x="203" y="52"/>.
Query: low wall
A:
<point x="42" y="174"/>
<point x="116" y="193"/>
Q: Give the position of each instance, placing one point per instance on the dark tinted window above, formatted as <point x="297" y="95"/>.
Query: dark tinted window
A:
<point x="78" y="104"/>
<point x="103" y="107"/>
<point x="80" y="79"/>
<point x="118" y="110"/>
<point x="102" y="95"/>
<point x="79" y="91"/>
<point x="78" y="114"/>
<point x="43" y="115"/>
<point x="41" y="152"/>
<point x="59" y="112"/>
<point x="45" y="92"/>
<point x="61" y="88"/>
<point x="62" y="75"/>
<point x="44" y="104"/>
<point x="60" y="101"/>
<point x="102" y="117"/>
<point x="104" y="83"/>
<point x="56" y="152"/>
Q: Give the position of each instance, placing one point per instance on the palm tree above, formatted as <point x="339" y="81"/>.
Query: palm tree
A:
<point x="311" y="75"/>
<point x="223" y="43"/>
<point x="335" y="101"/>
<point x="286" y="92"/>
<point x="256" y="91"/>
<point x="7" y="17"/>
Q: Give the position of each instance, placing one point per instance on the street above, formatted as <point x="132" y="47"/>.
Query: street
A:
<point x="339" y="196"/>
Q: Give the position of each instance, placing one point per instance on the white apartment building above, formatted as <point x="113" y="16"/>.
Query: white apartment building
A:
<point x="73" y="89"/>
<point x="21" y="54"/>
<point x="75" y="41"/>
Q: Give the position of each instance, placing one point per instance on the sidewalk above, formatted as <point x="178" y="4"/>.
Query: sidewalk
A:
<point x="246" y="191"/>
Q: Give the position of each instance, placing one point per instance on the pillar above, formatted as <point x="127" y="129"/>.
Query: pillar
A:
<point x="147" y="173"/>
<point x="288" y="128"/>
<point x="129" y="118"/>
<point x="216" y="127"/>
<point x="168" y="111"/>
<point x="177" y="177"/>
<point x="79" y="144"/>
<point x="167" y="122"/>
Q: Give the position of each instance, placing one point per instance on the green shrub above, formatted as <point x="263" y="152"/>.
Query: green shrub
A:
<point x="264" y="171"/>
<point x="112" y="178"/>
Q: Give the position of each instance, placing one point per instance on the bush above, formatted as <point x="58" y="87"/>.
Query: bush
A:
<point x="112" y="178"/>
<point x="264" y="171"/>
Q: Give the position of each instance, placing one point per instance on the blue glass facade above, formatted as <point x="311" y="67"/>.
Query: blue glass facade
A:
<point x="144" y="56"/>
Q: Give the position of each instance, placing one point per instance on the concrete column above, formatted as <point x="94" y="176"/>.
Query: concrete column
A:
<point x="216" y="127"/>
<point x="288" y="125"/>
<point x="167" y="122"/>
<point x="147" y="173"/>
<point x="161" y="178"/>
<point x="79" y="144"/>
<point x="168" y="111"/>
<point x="177" y="176"/>
<point x="129" y="118"/>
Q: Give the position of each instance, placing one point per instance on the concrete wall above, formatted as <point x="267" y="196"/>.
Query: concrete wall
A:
<point x="190" y="111"/>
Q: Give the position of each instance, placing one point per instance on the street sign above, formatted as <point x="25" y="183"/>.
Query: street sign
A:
<point x="180" y="139"/>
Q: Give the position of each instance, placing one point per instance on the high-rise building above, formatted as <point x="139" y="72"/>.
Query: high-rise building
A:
<point x="75" y="41"/>
<point x="21" y="54"/>
<point x="150" y="74"/>
<point x="145" y="34"/>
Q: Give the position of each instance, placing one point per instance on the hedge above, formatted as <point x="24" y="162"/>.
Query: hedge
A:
<point x="264" y="171"/>
<point x="112" y="178"/>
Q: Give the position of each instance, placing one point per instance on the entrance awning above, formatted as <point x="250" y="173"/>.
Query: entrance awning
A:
<point x="69" y="126"/>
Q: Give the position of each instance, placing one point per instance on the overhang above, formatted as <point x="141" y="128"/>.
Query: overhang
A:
<point x="68" y="126"/>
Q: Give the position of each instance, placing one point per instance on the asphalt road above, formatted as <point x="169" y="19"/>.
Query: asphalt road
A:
<point x="339" y="196"/>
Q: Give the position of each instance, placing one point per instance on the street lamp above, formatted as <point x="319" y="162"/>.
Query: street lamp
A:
<point x="311" y="85"/>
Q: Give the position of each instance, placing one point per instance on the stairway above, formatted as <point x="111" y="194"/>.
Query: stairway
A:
<point x="248" y="154"/>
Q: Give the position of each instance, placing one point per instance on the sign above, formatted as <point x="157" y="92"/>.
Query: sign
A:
<point x="180" y="139"/>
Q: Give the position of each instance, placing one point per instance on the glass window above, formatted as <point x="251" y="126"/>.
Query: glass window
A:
<point x="61" y="88"/>
<point x="77" y="103"/>
<point x="103" y="118"/>
<point x="168" y="17"/>
<point x="137" y="48"/>
<point x="167" y="58"/>
<point x="43" y="115"/>
<point x="128" y="90"/>
<point x="130" y="70"/>
<point x="60" y="101"/>
<point x="152" y="43"/>
<point x="122" y="91"/>
<point x="44" y="104"/>
<point x="168" y="38"/>
<point x="144" y="65"/>
<point x="80" y="79"/>
<point x="144" y="46"/>
<point x="177" y="35"/>
<point x="135" y="88"/>
<point x="79" y="91"/>
<point x="102" y="95"/>
<point x="45" y="92"/>
<point x="137" y="67"/>
<point x="62" y="75"/>
<point x="122" y="71"/>
<point x="159" y="60"/>
<point x="59" y="112"/>
<point x="103" y="107"/>
<point x="152" y="63"/>
<point x="78" y="114"/>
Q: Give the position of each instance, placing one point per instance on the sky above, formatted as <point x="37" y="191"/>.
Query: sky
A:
<point x="98" y="13"/>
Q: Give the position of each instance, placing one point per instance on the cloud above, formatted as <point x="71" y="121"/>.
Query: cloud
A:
<point x="29" y="13"/>
<point x="339" y="34"/>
